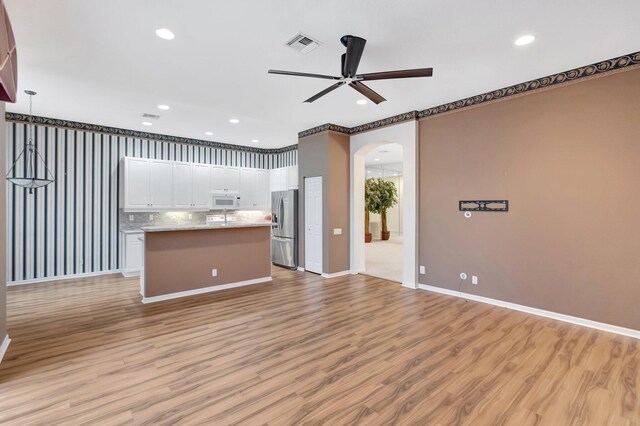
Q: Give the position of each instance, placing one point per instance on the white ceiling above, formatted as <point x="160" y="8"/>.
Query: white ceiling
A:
<point x="390" y="153"/>
<point x="100" y="61"/>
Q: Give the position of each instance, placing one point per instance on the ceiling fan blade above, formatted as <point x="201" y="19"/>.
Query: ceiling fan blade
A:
<point x="325" y="91"/>
<point x="355" y="47"/>
<point x="303" y="74"/>
<point x="386" y="75"/>
<point x="367" y="91"/>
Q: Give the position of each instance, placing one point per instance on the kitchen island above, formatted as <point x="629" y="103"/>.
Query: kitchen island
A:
<point x="185" y="260"/>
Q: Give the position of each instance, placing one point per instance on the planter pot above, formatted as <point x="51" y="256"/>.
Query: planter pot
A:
<point x="368" y="237"/>
<point x="385" y="235"/>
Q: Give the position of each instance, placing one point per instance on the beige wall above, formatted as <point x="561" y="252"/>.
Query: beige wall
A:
<point x="182" y="260"/>
<point x="568" y="161"/>
<point x="3" y="228"/>
<point x="326" y="154"/>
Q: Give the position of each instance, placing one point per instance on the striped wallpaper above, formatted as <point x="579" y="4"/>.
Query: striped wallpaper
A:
<point x="71" y="226"/>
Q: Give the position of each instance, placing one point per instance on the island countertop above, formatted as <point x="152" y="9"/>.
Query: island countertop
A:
<point x="204" y="226"/>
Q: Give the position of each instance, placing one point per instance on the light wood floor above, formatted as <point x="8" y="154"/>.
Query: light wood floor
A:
<point x="304" y="350"/>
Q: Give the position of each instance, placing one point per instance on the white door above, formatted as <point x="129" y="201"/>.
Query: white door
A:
<point x="313" y="224"/>
<point x="182" y="185"/>
<point x="137" y="183"/>
<point x="160" y="177"/>
<point x="201" y="181"/>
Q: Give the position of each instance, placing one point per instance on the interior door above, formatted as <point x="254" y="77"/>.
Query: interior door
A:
<point x="313" y="224"/>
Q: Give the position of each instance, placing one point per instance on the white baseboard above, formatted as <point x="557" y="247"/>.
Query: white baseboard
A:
<point x="4" y="346"/>
<point x="535" y="311"/>
<point x="300" y="268"/>
<point x="129" y="274"/>
<point x="356" y="271"/>
<point x="409" y="285"/>
<point x="62" y="277"/>
<point x="335" y="274"/>
<point x="179" y="294"/>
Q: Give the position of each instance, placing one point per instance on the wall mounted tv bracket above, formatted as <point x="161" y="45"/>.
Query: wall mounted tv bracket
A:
<point x="484" y="206"/>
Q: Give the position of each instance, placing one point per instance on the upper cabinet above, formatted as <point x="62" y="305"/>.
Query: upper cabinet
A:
<point x="254" y="189"/>
<point x="284" y="178"/>
<point x="145" y="184"/>
<point x="224" y="178"/>
<point x="160" y="185"/>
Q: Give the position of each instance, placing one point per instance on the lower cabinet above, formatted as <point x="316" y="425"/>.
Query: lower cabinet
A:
<point x="131" y="253"/>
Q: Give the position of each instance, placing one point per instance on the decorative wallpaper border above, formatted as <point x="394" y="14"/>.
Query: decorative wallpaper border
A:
<point x="620" y="63"/>
<point x="75" y="125"/>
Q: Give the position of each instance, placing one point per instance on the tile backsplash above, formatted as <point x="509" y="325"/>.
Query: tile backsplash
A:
<point x="129" y="221"/>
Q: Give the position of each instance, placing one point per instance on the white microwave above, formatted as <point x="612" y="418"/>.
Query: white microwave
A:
<point x="227" y="200"/>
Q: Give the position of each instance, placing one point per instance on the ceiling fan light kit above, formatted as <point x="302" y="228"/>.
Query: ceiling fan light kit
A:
<point x="349" y="67"/>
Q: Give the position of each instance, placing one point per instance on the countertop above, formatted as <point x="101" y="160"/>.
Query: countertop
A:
<point x="203" y="226"/>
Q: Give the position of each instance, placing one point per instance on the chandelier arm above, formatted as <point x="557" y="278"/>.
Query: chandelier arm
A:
<point x="14" y="163"/>
<point x="45" y="166"/>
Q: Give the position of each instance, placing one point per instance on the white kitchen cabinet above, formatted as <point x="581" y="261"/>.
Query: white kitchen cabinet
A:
<point x="225" y="178"/>
<point x="160" y="178"/>
<point x="182" y="185"/>
<point x="255" y="192"/>
<point x="201" y="186"/>
<point x="131" y="253"/>
<point x="136" y="183"/>
<point x="147" y="184"/>
<point x="292" y="177"/>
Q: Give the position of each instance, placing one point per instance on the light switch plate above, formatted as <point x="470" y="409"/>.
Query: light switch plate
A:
<point x="214" y="272"/>
<point x="337" y="231"/>
<point x="150" y="217"/>
<point x="423" y="270"/>
<point x="474" y="280"/>
<point x="130" y="218"/>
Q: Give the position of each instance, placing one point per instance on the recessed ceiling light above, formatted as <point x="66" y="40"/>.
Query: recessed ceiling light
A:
<point x="163" y="107"/>
<point x="376" y="159"/>
<point x="395" y="174"/>
<point x="146" y="123"/>
<point x="368" y="171"/>
<point x="361" y="101"/>
<point x="208" y="133"/>
<point x="234" y="121"/>
<point x="524" y="40"/>
<point x="165" y="34"/>
<point x="255" y="140"/>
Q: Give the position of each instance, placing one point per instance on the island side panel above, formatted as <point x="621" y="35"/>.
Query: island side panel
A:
<point x="176" y="261"/>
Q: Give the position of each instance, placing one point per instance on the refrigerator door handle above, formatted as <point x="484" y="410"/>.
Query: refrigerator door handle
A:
<point x="281" y="213"/>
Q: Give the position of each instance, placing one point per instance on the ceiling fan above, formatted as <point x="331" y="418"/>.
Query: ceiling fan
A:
<point x="350" y="61"/>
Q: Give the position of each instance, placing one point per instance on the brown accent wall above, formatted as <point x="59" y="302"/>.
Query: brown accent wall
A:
<point x="3" y="227"/>
<point x="568" y="161"/>
<point x="327" y="154"/>
<point x="182" y="260"/>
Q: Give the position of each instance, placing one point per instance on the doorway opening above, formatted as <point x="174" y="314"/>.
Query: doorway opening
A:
<point x="384" y="249"/>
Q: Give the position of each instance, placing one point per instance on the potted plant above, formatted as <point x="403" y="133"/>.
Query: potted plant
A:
<point x="383" y="196"/>
<point x="369" y="188"/>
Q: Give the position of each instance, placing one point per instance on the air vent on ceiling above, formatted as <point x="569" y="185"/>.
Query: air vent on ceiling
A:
<point x="303" y="43"/>
<point x="154" y="116"/>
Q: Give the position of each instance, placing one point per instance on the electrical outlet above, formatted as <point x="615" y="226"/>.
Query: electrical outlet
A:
<point x="190" y="216"/>
<point x="214" y="272"/>
<point x="463" y="276"/>
<point x="150" y="217"/>
<point x="131" y="218"/>
<point x="337" y="231"/>
<point x="474" y="280"/>
<point x="423" y="270"/>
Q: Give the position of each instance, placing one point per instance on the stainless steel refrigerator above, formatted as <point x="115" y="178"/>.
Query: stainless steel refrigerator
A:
<point x="284" y="231"/>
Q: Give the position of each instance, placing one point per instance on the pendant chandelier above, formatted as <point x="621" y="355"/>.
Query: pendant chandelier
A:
<point x="31" y="159"/>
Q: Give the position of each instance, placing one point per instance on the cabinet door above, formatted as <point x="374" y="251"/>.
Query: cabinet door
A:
<point x="218" y="178"/>
<point x="182" y="185"/>
<point x="232" y="178"/>
<point x="133" y="252"/>
<point x="247" y="178"/>
<point x="261" y="194"/>
<point x="201" y="182"/>
<point x="136" y="184"/>
<point x="292" y="177"/>
<point x="160" y="184"/>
